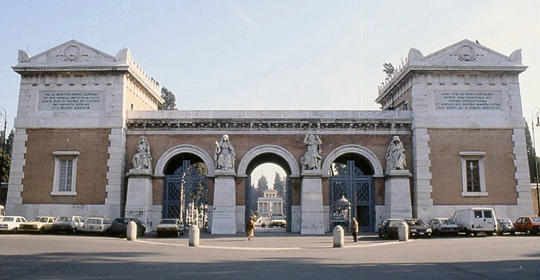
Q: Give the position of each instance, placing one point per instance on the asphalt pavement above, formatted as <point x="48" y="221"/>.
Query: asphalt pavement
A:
<point x="268" y="256"/>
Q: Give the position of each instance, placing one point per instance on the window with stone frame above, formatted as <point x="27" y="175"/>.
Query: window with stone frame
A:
<point x="473" y="177"/>
<point x="65" y="172"/>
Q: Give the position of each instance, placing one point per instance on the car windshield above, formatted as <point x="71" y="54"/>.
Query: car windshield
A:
<point x="120" y="221"/>
<point x="415" y="222"/>
<point x="8" y="219"/>
<point x="41" y="219"/>
<point x="63" y="219"/>
<point x="277" y="217"/>
<point x="93" y="221"/>
<point x="535" y="219"/>
<point x="168" y="221"/>
<point x="449" y="222"/>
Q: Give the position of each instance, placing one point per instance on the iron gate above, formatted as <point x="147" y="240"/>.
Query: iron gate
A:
<point x="351" y="182"/>
<point x="185" y="195"/>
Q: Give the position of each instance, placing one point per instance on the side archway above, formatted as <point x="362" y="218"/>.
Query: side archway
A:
<point x="353" y="149"/>
<point x="185" y="148"/>
<point x="268" y="149"/>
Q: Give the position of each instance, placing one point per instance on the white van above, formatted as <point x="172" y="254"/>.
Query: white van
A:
<point x="475" y="220"/>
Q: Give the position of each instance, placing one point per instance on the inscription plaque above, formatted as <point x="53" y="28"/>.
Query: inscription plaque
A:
<point x="70" y="101"/>
<point x="479" y="101"/>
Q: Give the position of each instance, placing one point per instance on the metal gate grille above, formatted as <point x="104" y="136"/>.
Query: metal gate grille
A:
<point x="185" y="195"/>
<point x="350" y="182"/>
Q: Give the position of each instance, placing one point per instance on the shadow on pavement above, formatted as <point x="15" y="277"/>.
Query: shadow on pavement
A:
<point x="134" y="266"/>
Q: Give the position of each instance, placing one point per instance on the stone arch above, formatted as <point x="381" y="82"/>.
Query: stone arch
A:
<point x="184" y="148"/>
<point x="353" y="149"/>
<point x="272" y="149"/>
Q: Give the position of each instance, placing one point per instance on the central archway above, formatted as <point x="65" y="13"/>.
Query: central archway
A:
<point x="269" y="205"/>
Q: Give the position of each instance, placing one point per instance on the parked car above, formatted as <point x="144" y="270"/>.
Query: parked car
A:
<point x="11" y="223"/>
<point x="263" y="221"/>
<point x="68" y="224"/>
<point x="505" y="226"/>
<point x="170" y="227"/>
<point x="40" y="224"/>
<point x="119" y="226"/>
<point x="97" y="225"/>
<point x="418" y="228"/>
<point x="476" y="220"/>
<point x="278" y="221"/>
<point x="528" y="225"/>
<point x="389" y="228"/>
<point x="443" y="226"/>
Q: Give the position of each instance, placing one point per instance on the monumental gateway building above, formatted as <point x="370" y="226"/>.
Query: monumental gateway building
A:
<point x="90" y="140"/>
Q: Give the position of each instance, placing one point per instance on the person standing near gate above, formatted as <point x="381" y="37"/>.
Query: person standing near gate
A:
<point x="354" y="229"/>
<point x="250" y="229"/>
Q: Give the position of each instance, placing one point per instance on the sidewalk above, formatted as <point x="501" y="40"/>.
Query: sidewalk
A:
<point x="270" y="241"/>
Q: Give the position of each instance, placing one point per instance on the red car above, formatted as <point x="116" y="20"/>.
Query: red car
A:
<point x="529" y="225"/>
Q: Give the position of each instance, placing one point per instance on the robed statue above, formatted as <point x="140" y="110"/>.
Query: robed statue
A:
<point x="225" y="155"/>
<point x="311" y="160"/>
<point x="395" y="155"/>
<point x="142" y="160"/>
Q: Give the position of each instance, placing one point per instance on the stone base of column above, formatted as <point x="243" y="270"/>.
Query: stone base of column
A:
<point x="311" y="203"/>
<point x="397" y="197"/>
<point x="224" y="208"/>
<point x="139" y="195"/>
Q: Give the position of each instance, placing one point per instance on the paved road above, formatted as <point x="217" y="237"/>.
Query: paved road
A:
<point x="269" y="256"/>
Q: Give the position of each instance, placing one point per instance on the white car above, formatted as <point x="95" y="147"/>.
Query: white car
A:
<point x="97" y="225"/>
<point x="443" y="226"/>
<point x="11" y="223"/>
<point x="170" y="226"/>
<point x="69" y="224"/>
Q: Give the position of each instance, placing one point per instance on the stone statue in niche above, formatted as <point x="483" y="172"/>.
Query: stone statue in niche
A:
<point x="142" y="160"/>
<point x="225" y="154"/>
<point x="395" y="155"/>
<point x="311" y="160"/>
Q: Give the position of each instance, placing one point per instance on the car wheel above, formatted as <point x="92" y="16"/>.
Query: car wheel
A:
<point x="74" y="231"/>
<point x="14" y="230"/>
<point x="528" y="232"/>
<point x="513" y="232"/>
<point x="42" y="230"/>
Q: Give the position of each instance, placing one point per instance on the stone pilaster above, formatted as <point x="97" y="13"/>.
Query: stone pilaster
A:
<point x="224" y="208"/>
<point x="139" y="195"/>
<point x="311" y="203"/>
<point x="16" y="173"/>
<point x="397" y="196"/>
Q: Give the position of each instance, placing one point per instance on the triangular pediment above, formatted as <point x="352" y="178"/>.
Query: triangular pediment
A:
<point x="69" y="53"/>
<point x="465" y="53"/>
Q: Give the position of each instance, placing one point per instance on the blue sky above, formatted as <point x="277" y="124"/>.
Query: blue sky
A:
<point x="269" y="54"/>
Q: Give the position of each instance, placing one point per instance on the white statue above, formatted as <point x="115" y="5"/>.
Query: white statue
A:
<point x="395" y="155"/>
<point x="311" y="160"/>
<point x="142" y="160"/>
<point x="225" y="155"/>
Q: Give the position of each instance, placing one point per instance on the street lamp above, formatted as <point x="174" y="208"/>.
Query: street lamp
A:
<point x="536" y="115"/>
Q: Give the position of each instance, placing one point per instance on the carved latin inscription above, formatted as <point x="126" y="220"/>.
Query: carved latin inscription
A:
<point x="70" y="101"/>
<point x="468" y="101"/>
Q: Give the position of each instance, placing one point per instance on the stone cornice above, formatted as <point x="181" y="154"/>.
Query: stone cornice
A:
<point x="270" y="124"/>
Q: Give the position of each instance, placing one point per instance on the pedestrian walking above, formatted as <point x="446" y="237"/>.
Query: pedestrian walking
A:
<point x="250" y="229"/>
<point x="354" y="229"/>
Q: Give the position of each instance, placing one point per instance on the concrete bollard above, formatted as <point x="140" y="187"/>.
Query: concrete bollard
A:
<point x="194" y="236"/>
<point x="403" y="231"/>
<point x="131" y="231"/>
<point x="339" y="237"/>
